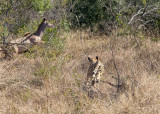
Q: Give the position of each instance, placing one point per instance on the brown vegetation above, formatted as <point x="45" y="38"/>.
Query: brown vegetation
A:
<point x="41" y="85"/>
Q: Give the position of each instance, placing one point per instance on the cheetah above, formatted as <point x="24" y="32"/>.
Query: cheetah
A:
<point x="95" y="70"/>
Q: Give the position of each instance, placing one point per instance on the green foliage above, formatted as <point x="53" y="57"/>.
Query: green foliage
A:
<point x="15" y="14"/>
<point x="65" y="25"/>
<point x="149" y="20"/>
<point x="3" y="31"/>
<point x="90" y="12"/>
<point x="30" y="27"/>
<point x="18" y="29"/>
<point x="41" y="5"/>
<point x="54" y="43"/>
<point x="135" y="2"/>
<point x="144" y="2"/>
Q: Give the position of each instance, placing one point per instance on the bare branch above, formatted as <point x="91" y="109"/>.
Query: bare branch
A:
<point x="143" y="12"/>
<point x="150" y="11"/>
<point x="134" y="16"/>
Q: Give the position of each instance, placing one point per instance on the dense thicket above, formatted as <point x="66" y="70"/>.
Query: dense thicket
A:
<point x="99" y="15"/>
<point x="90" y="12"/>
<point x="138" y="13"/>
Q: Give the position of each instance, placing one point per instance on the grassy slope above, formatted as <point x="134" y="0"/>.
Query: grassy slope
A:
<point x="36" y="85"/>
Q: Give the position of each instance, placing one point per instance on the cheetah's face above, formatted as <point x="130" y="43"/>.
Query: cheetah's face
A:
<point x="93" y="60"/>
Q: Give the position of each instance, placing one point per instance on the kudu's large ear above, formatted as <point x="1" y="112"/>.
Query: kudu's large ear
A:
<point x="44" y="19"/>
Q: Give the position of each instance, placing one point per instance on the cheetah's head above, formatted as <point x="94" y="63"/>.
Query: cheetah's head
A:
<point x="93" y="60"/>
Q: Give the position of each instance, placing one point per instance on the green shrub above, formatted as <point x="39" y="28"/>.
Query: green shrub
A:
<point x="88" y="13"/>
<point x="41" y="5"/>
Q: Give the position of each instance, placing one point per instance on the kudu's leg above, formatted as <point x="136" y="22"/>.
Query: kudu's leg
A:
<point x="6" y="52"/>
<point x="39" y="42"/>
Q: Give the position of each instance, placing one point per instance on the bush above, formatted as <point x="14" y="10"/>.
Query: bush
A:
<point x="88" y="13"/>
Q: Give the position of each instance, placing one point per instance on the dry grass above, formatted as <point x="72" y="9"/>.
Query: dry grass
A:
<point x="40" y="85"/>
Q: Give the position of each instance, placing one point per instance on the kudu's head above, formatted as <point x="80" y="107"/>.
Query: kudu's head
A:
<point x="46" y="24"/>
<point x="42" y="27"/>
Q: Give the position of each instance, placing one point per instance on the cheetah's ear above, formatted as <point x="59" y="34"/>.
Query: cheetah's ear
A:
<point x="97" y="57"/>
<point x="89" y="59"/>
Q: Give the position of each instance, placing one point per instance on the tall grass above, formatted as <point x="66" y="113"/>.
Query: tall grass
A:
<point x="51" y="78"/>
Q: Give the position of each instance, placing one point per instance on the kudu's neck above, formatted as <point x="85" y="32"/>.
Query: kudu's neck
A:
<point x="40" y="30"/>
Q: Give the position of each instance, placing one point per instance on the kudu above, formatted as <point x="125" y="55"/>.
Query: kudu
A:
<point x="23" y="44"/>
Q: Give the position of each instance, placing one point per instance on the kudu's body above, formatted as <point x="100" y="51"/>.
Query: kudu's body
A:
<point x="23" y="44"/>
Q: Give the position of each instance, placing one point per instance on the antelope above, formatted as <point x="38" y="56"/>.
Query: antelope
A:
<point x="22" y="44"/>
